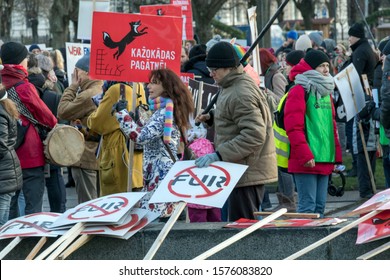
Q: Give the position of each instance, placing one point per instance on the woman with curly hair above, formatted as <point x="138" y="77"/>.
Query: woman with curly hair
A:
<point x="171" y="103"/>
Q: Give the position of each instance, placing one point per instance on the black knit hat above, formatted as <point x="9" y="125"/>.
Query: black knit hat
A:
<point x="197" y="50"/>
<point x="13" y="53"/>
<point x="293" y="57"/>
<point x="315" y="58"/>
<point x="357" y="30"/>
<point x="222" y="55"/>
<point x="386" y="49"/>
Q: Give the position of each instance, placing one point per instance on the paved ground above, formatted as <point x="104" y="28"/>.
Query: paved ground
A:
<point x="335" y="207"/>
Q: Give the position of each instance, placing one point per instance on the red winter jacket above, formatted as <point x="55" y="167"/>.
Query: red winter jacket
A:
<point x="30" y="153"/>
<point x="294" y="121"/>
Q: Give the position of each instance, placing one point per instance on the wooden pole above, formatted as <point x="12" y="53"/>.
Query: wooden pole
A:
<point x="10" y="246"/>
<point x="374" y="252"/>
<point x="131" y="143"/>
<point x="241" y="234"/>
<point x="79" y="227"/>
<point x="333" y="235"/>
<point x="37" y="248"/>
<point x="64" y="244"/>
<point x="83" y="239"/>
<point x="291" y="215"/>
<point x="164" y="232"/>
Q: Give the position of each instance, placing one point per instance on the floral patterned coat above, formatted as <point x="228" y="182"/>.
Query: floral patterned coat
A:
<point x="156" y="159"/>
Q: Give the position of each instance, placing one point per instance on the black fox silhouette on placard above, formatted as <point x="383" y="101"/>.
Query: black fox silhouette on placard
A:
<point x="130" y="37"/>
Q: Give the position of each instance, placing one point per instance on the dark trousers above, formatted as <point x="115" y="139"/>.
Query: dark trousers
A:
<point x="364" y="181"/>
<point x="243" y="201"/>
<point x="56" y="191"/>
<point x="33" y="189"/>
<point x="386" y="164"/>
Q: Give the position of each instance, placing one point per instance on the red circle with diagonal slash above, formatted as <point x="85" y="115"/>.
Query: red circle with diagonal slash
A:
<point x="207" y="193"/>
<point x="102" y="210"/>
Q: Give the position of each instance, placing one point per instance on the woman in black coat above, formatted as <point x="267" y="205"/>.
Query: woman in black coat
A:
<point x="11" y="178"/>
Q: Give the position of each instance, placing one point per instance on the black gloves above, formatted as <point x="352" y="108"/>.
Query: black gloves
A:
<point x="367" y="110"/>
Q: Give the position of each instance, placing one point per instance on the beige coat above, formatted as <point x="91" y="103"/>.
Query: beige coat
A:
<point x="243" y="127"/>
<point x="75" y="105"/>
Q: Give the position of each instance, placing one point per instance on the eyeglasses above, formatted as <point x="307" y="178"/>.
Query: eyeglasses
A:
<point x="211" y="69"/>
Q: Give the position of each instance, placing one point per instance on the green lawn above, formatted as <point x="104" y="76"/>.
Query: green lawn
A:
<point x="351" y="182"/>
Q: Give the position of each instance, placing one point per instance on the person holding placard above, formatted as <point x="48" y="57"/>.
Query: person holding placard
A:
<point x="309" y="119"/>
<point x="243" y="126"/>
<point x="171" y="103"/>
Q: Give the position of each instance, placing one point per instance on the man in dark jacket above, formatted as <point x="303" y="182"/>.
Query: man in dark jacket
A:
<point x="197" y="64"/>
<point x="364" y="61"/>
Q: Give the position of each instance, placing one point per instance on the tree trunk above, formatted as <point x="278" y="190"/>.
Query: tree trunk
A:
<point x="306" y="7"/>
<point x="203" y="13"/>
<point x="6" y="7"/>
<point x="59" y="22"/>
<point x="263" y="11"/>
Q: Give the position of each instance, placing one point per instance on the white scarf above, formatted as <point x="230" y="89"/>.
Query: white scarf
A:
<point x="314" y="81"/>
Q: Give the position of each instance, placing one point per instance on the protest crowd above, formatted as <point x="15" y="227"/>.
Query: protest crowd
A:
<point x="298" y="148"/>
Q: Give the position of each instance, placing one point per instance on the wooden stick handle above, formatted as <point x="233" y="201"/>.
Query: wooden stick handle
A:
<point x="375" y="252"/>
<point x="83" y="239"/>
<point x="65" y="244"/>
<point x="10" y="246"/>
<point x="291" y="215"/>
<point x="37" y="248"/>
<point x="331" y="236"/>
<point x="58" y="242"/>
<point x="241" y="234"/>
<point x="164" y="232"/>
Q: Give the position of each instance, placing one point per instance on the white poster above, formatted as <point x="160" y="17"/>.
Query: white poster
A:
<point x="150" y="217"/>
<point x="132" y="218"/>
<point x="86" y="8"/>
<point x="107" y="209"/>
<point x="351" y="90"/>
<point x="253" y="27"/>
<point x="209" y="186"/>
<point x="74" y="51"/>
<point x="32" y="225"/>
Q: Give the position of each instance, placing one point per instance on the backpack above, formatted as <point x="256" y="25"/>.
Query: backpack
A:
<point x="279" y="113"/>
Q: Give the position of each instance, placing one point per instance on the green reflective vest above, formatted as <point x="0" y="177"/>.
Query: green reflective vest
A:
<point x="282" y="144"/>
<point x="319" y="128"/>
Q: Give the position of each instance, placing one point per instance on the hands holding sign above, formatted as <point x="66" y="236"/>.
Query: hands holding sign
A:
<point x="207" y="160"/>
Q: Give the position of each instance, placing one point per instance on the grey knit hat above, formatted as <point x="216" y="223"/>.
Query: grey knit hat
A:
<point x="212" y="42"/>
<point x="83" y="63"/>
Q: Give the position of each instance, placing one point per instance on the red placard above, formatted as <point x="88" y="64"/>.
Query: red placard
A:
<point x="161" y="10"/>
<point x="188" y="33"/>
<point x="126" y="47"/>
<point x="375" y="228"/>
<point x="185" y="77"/>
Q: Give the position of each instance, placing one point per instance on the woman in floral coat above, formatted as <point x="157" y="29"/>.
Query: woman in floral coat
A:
<point x="171" y="103"/>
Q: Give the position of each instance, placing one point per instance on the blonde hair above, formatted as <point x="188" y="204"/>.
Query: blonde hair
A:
<point x="9" y="105"/>
<point x="58" y="59"/>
